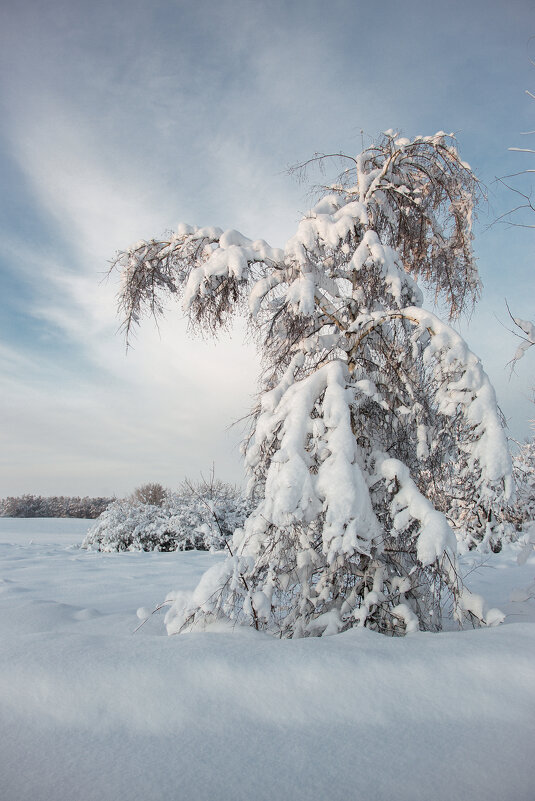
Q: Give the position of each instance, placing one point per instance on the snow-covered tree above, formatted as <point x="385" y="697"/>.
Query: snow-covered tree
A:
<point x="152" y="493"/>
<point x="55" y="506"/>
<point x="376" y="429"/>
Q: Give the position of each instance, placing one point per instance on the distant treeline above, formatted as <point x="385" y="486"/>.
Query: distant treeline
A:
<point x="56" y="506"/>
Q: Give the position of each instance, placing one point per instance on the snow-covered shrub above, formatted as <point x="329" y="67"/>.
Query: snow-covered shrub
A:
<point x="524" y="473"/>
<point x="216" y="509"/>
<point x="371" y="407"/>
<point x="129" y="526"/>
<point x="199" y="516"/>
<point x="480" y="521"/>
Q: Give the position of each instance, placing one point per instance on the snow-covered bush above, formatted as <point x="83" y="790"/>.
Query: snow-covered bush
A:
<point x="129" y="526"/>
<point x="214" y="508"/>
<point x="524" y="473"/>
<point x="201" y="516"/>
<point x="372" y="409"/>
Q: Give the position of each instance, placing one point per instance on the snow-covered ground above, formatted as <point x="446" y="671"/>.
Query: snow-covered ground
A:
<point x="89" y="710"/>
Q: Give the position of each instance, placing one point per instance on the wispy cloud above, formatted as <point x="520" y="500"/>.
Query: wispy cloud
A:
<point x="168" y="403"/>
<point x="122" y="120"/>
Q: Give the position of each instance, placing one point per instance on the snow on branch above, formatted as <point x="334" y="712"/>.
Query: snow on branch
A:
<point x="461" y="383"/>
<point x="420" y="197"/>
<point x="528" y="337"/>
<point x="207" y="267"/>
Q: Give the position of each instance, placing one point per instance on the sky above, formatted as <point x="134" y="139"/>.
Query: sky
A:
<point x="118" y="120"/>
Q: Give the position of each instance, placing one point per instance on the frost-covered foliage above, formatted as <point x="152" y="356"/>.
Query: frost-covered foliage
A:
<point x="199" y="516"/>
<point x="377" y="431"/>
<point x="53" y="506"/>
<point x="524" y="473"/>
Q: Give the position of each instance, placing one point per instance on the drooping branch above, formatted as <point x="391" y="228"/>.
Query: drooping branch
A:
<point x="209" y="269"/>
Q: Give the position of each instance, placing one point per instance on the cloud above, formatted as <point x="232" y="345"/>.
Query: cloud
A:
<point x="124" y="119"/>
<point x="168" y="403"/>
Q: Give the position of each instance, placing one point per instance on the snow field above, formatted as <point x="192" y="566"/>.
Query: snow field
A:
<point x="90" y="710"/>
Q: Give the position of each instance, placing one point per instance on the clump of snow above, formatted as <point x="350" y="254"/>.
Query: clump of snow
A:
<point x="435" y="535"/>
<point x="528" y="338"/>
